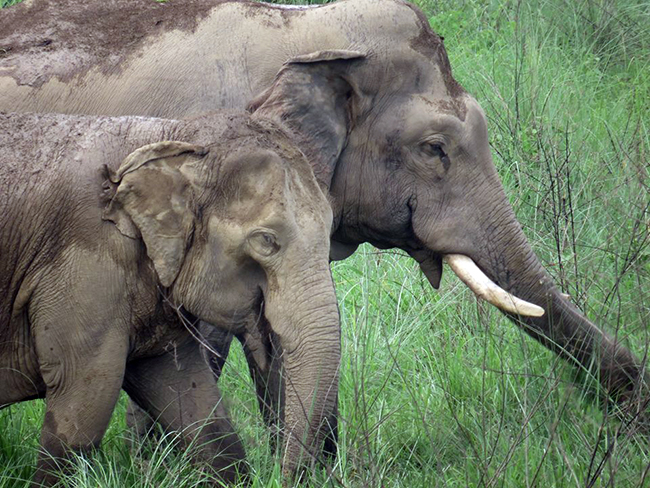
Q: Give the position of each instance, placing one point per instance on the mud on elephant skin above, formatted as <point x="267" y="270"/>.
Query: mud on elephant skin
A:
<point x="116" y="230"/>
<point x="405" y="152"/>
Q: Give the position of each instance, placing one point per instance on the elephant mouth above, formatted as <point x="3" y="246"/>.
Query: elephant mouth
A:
<point x="475" y="279"/>
<point x="430" y="264"/>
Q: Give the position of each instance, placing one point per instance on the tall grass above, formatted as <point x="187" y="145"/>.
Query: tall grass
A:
<point x="438" y="389"/>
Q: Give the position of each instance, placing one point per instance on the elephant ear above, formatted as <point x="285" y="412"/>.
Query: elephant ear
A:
<point x="153" y="199"/>
<point x="315" y="97"/>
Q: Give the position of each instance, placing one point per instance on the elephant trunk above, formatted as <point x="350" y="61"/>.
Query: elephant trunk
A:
<point x="507" y="259"/>
<point x="306" y="319"/>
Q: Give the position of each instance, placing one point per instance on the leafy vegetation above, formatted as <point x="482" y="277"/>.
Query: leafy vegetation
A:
<point x="436" y="388"/>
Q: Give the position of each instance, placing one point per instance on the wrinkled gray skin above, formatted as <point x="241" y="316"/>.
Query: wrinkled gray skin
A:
<point x="371" y="99"/>
<point x="107" y="240"/>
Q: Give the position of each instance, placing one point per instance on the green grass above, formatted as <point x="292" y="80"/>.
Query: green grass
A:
<point x="436" y="388"/>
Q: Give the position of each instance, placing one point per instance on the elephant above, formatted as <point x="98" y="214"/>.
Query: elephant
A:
<point x="367" y="90"/>
<point x="117" y="234"/>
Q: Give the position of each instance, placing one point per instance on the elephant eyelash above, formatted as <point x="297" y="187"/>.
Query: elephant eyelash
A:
<point x="264" y="243"/>
<point x="434" y="149"/>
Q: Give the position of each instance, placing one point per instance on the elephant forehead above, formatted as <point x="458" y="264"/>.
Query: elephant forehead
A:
<point x="257" y="208"/>
<point x="453" y="106"/>
<point x="405" y="54"/>
<point x="261" y="176"/>
<point x="426" y="115"/>
<point x="250" y="171"/>
<point x="254" y="198"/>
<point x="281" y="202"/>
<point x="307" y="201"/>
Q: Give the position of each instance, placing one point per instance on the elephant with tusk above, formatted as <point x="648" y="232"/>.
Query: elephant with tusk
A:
<point x="115" y="233"/>
<point x="367" y="90"/>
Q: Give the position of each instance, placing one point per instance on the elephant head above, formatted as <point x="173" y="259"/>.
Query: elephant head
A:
<point x="239" y="228"/>
<point x="404" y="151"/>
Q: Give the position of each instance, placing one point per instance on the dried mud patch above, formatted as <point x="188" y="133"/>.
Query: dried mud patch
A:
<point x="66" y="38"/>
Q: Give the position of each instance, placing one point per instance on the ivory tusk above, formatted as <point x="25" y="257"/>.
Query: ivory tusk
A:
<point x="470" y="274"/>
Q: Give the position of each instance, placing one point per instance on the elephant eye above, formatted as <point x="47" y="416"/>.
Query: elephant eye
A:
<point x="435" y="150"/>
<point x="263" y="243"/>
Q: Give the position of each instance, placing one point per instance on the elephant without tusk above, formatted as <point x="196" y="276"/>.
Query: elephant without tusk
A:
<point x="117" y="234"/>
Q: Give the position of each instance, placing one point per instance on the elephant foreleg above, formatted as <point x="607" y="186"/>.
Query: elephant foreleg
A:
<point x="217" y="346"/>
<point x="81" y="363"/>
<point x="218" y="342"/>
<point x="139" y="423"/>
<point x="263" y="354"/>
<point x="179" y="390"/>
<point x="81" y="396"/>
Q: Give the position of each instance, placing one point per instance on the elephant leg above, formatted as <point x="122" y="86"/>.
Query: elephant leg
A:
<point x="139" y="422"/>
<point x="331" y="434"/>
<point x="218" y="342"/>
<point x="264" y="356"/>
<point x="81" y="396"/>
<point x="262" y="353"/>
<point x="81" y="354"/>
<point x="179" y="390"/>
